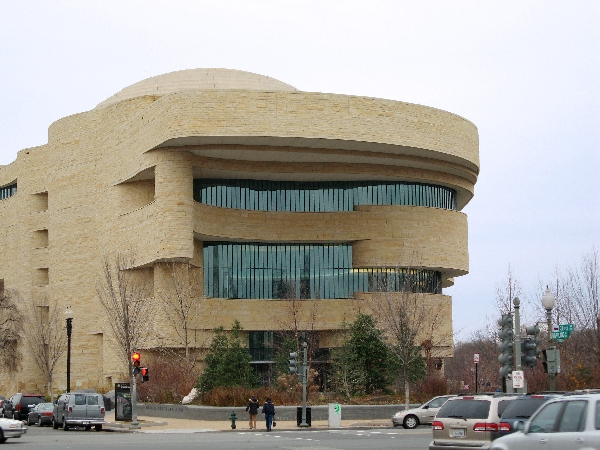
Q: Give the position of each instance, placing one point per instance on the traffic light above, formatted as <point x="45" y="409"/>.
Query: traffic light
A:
<point x="551" y="360"/>
<point x="136" y="358"/>
<point x="531" y="347"/>
<point x="294" y="362"/>
<point x="144" y="372"/>
<point x="506" y="344"/>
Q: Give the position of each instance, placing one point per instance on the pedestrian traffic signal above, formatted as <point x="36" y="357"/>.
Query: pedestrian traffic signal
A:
<point x="551" y="360"/>
<point x="136" y="358"/>
<point x="294" y="362"/>
<point x="144" y="372"/>
<point x="506" y="344"/>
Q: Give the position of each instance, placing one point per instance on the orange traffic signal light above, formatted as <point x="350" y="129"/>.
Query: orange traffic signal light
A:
<point x="144" y="373"/>
<point x="135" y="357"/>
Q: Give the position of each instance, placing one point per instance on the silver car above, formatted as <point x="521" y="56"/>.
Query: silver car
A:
<point x="424" y="414"/>
<point x="10" y="428"/>
<point x="564" y="423"/>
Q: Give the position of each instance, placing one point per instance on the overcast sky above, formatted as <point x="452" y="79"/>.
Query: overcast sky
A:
<point x="526" y="73"/>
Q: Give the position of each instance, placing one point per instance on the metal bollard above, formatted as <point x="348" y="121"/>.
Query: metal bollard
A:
<point x="233" y="418"/>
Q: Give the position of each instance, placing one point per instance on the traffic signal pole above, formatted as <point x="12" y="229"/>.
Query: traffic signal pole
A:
<point x="304" y="378"/>
<point x="135" y="359"/>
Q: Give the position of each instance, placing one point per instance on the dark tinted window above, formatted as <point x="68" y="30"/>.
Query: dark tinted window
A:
<point x="465" y="409"/>
<point x="502" y="405"/>
<point x="523" y="409"/>
<point x="32" y="400"/>
<point x="92" y="400"/>
<point x="80" y="399"/>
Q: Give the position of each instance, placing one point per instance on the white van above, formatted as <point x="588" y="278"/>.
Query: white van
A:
<point x="79" y="409"/>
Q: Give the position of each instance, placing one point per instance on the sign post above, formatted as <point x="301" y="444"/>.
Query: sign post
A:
<point x="476" y="361"/>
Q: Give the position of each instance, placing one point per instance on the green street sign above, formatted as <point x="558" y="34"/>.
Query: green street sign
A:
<point x="568" y="327"/>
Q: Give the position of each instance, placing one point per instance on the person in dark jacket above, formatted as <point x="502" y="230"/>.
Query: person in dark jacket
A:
<point x="269" y="411"/>
<point x="252" y="410"/>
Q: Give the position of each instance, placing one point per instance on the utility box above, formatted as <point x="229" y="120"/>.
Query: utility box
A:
<point x="335" y="415"/>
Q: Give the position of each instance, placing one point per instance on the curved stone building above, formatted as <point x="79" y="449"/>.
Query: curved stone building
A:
<point x="292" y="209"/>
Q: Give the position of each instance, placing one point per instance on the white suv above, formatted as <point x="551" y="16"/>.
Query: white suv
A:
<point x="469" y="421"/>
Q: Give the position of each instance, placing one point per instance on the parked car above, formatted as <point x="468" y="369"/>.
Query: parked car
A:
<point x="2" y="400"/>
<point x="424" y="414"/>
<point x="84" y="409"/>
<point x="565" y="423"/>
<point x="41" y="414"/>
<point x="10" y="428"/>
<point x="521" y="409"/>
<point x="17" y="407"/>
<point x="469" y="421"/>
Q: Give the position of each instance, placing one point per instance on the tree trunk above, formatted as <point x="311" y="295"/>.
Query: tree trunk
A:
<point x="406" y="395"/>
<point x="50" y="387"/>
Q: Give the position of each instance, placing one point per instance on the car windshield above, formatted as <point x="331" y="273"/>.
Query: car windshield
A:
<point x="45" y="407"/>
<point x="465" y="409"/>
<point x="523" y="409"/>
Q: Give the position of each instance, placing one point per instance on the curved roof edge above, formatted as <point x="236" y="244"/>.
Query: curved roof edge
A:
<point x="197" y="79"/>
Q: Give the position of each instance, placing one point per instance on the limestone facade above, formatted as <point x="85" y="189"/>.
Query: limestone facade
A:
<point x="119" y="178"/>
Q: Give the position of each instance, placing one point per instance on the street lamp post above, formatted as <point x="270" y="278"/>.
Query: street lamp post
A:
<point x="548" y="302"/>
<point x="69" y="317"/>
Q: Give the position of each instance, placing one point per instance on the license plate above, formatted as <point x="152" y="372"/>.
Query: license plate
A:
<point x="85" y="422"/>
<point x="458" y="432"/>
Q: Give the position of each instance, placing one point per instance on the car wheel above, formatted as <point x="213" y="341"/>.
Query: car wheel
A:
<point x="98" y="427"/>
<point x="65" y="426"/>
<point x="28" y="421"/>
<point x="88" y="427"/>
<point x="54" y="423"/>
<point x="39" y="421"/>
<point x="410" y="422"/>
<point x="2" y="438"/>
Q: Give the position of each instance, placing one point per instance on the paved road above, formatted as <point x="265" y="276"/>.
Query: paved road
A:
<point x="339" y="439"/>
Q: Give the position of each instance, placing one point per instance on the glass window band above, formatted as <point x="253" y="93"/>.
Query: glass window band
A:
<point x="329" y="196"/>
<point x="312" y="271"/>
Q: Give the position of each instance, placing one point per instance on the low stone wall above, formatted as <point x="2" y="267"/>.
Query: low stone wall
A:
<point x="349" y="412"/>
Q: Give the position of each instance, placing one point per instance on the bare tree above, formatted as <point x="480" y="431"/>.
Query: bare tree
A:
<point x="406" y="320"/>
<point x="506" y="292"/>
<point x="11" y="326"/>
<point x="179" y="296"/>
<point x="46" y="339"/>
<point x="124" y="292"/>
<point x="581" y="296"/>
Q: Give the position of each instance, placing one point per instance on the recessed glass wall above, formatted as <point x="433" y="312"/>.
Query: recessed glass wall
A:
<point x="297" y="196"/>
<point x="8" y="191"/>
<point x="279" y="271"/>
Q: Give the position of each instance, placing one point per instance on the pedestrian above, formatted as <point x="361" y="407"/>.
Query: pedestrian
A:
<point x="252" y="410"/>
<point x="269" y="411"/>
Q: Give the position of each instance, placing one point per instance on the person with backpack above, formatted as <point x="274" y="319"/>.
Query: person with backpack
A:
<point x="269" y="411"/>
<point x="252" y="410"/>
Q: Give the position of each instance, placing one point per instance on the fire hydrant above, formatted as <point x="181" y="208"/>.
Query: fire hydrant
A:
<point x="232" y="417"/>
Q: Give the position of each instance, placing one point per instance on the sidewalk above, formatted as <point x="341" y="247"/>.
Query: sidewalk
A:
<point x="166" y="425"/>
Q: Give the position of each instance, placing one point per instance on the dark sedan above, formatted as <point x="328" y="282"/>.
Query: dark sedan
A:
<point x="41" y="414"/>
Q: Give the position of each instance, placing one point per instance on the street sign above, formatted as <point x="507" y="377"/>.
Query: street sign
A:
<point x="562" y="332"/>
<point x="518" y="379"/>
<point x="476" y="358"/>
